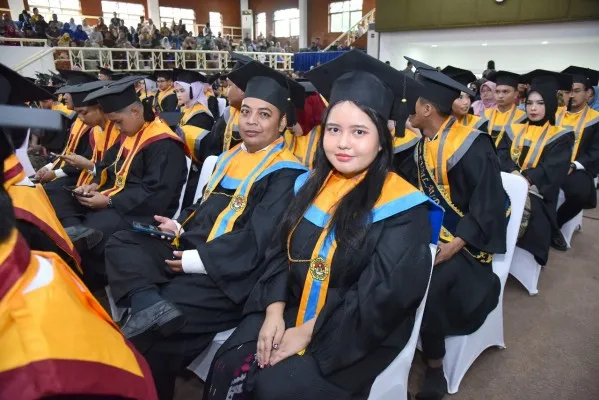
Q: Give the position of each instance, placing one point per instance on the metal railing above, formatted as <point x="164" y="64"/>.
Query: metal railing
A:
<point x="354" y="33"/>
<point x="23" y="42"/>
<point x="140" y="60"/>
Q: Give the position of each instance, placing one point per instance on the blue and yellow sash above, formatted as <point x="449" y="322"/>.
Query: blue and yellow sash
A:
<point x="193" y="135"/>
<point x="579" y="122"/>
<point x="396" y="196"/>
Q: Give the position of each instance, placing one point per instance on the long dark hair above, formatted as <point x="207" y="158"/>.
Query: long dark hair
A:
<point x="352" y="216"/>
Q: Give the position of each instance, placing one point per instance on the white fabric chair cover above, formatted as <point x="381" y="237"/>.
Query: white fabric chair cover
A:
<point x="115" y="311"/>
<point x="207" y="169"/>
<point x="23" y="157"/>
<point x="462" y="351"/>
<point x="188" y="160"/>
<point x="222" y="104"/>
<point x="392" y="383"/>
<point x="201" y="365"/>
<point x="526" y="270"/>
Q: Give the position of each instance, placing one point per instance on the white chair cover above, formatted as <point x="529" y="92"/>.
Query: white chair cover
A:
<point x="462" y="351"/>
<point x="392" y="383"/>
<point x="201" y="365"/>
<point x="222" y="104"/>
<point x="188" y="160"/>
<point x="207" y="169"/>
<point x="526" y="270"/>
<point x="23" y="157"/>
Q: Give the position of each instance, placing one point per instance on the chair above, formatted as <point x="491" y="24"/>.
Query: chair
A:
<point x="222" y="104"/>
<point x="205" y="173"/>
<point x="392" y="383"/>
<point x="201" y="365"/>
<point x="23" y="157"/>
<point x="188" y="160"/>
<point x="462" y="351"/>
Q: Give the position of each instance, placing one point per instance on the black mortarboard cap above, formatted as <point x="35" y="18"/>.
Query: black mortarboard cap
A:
<point x="187" y="76"/>
<point x="106" y="71"/>
<point x="308" y="86"/>
<point x="19" y="89"/>
<point x="264" y="83"/>
<point x="80" y="92"/>
<point x="171" y="118"/>
<point x="439" y="88"/>
<point x="163" y="73"/>
<point x="463" y="76"/>
<point x="358" y="77"/>
<point x="213" y="78"/>
<point x="50" y="89"/>
<point x="76" y="77"/>
<point x="117" y="95"/>
<point x="505" y="78"/>
<point x="240" y="59"/>
<point x="57" y="80"/>
<point x="554" y="80"/>
<point x="586" y="76"/>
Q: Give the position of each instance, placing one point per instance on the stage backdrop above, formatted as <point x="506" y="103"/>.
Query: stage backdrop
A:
<point x="401" y="15"/>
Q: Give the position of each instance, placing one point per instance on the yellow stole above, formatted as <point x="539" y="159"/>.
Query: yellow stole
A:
<point x="39" y="297"/>
<point x="61" y="108"/>
<point x="498" y="121"/>
<point x="304" y="147"/>
<point x="160" y="97"/>
<point x="473" y="121"/>
<point x="396" y="196"/>
<point x="238" y="170"/>
<point x="535" y="138"/>
<point x="31" y="204"/>
<point x="232" y="124"/>
<point x="578" y="122"/>
<point x="131" y="146"/>
<point x="102" y="139"/>
<point x="193" y="135"/>
<point x="409" y="139"/>
<point x="78" y="129"/>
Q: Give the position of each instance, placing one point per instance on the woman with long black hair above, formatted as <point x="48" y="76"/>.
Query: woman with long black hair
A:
<point x="351" y="262"/>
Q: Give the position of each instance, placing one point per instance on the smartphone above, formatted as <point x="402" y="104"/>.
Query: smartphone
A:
<point x="151" y="229"/>
<point x="33" y="179"/>
<point x="71" y="189"/>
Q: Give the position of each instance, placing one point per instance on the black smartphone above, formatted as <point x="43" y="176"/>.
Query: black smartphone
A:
<point x="33" y="179"/>
<point x="71" y="189"/>
<point x="151" y="229"/>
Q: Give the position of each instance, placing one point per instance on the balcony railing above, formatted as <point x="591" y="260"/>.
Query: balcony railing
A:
<point x="22" y="42"/>
<point x="132" y="60"/>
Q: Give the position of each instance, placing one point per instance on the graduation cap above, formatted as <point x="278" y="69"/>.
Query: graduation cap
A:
<point x="57" y="79"/>
<point x="264" y="83"/>
<point x="49" y="89"/>
<point x="439" y="88"/>
<point x="166" y="74"/>
<point x="76" y="77"/>
<point x="213" y="78"/>
<point x="43" y="79"/>
<point x="463" y="76"/>
<point x="308" y="86"/>
<point x="80" y="92"/>
<point x="171" y="118"/>
<point x="20" y="89"/>
<point x="105" y="71"/>
<point x="240" y="59"/>
<point x="505" y="78"/>
<point x="554" y="80"/>
<point x="588" y="77"/>
<point x="187" y="76"/>
<point x="117" y="95"/>
<point x="358" y="77"/>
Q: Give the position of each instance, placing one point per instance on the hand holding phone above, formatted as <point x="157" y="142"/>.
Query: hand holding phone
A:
<point x="74" y="192"/>
<point x="151" y="229"/>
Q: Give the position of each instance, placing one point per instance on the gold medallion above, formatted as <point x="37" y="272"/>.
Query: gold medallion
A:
<point x="237" y="203"/>
<point x="120" y="181"/>
<point x="319" y="269"/>
<point x="205" y="195"/>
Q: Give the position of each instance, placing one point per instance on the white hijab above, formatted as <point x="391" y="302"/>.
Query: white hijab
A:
<point x="197" y="89"/>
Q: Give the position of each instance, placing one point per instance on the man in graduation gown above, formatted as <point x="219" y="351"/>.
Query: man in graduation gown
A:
<point x="220" y="242"/>
<point x="506" y="112"/>
<point x="165" y="99"/>
<point x="55" y="335"/>
<point x="54" y="142"/>
<point x="461" y="108"/>
<point x="36" y="220"/>
<point x="140" y="178"/>
<point x="457" y="167"/>
<point x="579" y="186"/>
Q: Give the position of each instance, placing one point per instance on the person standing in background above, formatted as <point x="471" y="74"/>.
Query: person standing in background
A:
<point x="490" y="69"/>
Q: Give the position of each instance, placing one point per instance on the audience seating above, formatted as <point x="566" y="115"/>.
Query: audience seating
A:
<point x="462" y="351"/>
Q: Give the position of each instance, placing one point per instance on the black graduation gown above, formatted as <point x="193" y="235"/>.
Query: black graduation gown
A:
<point x="55" y="141"/>
<point x="169" y="103"/>
<point x="547" y="176"/>
<point x="38" y="240"/>
<point x="216" y="138"/>
<point x="371" y="303"/>
<point x="464" y="291"/>
<point x="213" y="106"/>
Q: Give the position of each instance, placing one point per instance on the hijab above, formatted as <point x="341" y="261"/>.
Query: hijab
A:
<point x="481" y="105"/>
<point x="549" y="95"/>
<point x="197" y="93"/>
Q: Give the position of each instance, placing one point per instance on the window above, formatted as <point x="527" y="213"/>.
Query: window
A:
<point x="170" y="14"/>
<point x="216" y="22"/>
<point x="64" y="9"/>
<point x="260" y="25"/>
<point x="287" y="22"/>
<point x="344" y="14"/>
<point x="128" y="12"/>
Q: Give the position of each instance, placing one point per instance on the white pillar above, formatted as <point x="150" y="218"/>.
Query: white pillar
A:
<point x="16" y="8"/>
<point x="154" y="12"/>
<point x="244" y="5"/>
<point x="303" y="37"/>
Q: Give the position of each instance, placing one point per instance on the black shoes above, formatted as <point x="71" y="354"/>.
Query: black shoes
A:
<point x="558" y="242"/>
<point x="84" y="238"/>
<point x="159" y="320"/>
<point x="434" y="386"/>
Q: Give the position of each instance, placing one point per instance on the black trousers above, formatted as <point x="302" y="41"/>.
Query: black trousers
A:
<point x="578" y="189"/>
